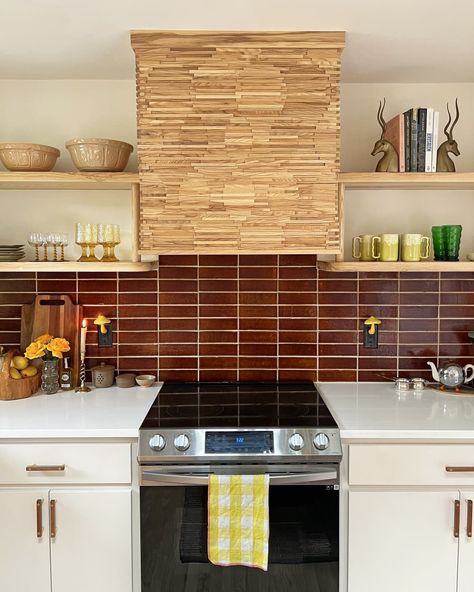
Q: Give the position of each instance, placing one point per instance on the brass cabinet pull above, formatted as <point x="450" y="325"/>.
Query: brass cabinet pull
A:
<point x="469" y="518"/>
<point x="459" y="469"/>
<point x="39" y="518"/>
<point x="457" y="508"/>
<point x="45" y="468"/>
<point x="52" y="519"/>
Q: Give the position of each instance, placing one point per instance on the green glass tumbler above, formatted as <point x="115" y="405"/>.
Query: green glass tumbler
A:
<point x="439" y="243"/>
<point x="452" y="239"/>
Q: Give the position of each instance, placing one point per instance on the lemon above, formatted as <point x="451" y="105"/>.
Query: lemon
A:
<point x="29" y="371"/>
<point x="14" y="373"/>
<point x="19" y="362"/>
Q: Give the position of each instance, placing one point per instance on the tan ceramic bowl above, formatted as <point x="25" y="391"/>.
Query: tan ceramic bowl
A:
<point x="99" y="154"/>
<point x="28" y="157"/>
<point x="145" y="380"/>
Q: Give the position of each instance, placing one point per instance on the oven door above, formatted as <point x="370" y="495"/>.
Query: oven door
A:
<point x="304" y="531"/>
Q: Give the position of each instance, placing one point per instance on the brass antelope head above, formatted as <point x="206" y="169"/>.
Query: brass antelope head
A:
<point x="389" y="161"/>
<point x="444" y="162"/>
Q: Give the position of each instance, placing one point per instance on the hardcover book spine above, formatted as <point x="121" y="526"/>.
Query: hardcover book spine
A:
<point x="401" y="143"/>
<point x="435" y="141"/>
<point x="421" y="140"/>
<point x="429" y="140"/>
<point x="413" y="140"/>
<point x="407" y="137"/>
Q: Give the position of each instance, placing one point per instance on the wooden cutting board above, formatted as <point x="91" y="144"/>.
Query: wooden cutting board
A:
<point x="56" y="315"/>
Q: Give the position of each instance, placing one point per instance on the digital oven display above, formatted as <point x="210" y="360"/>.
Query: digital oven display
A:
<point x="260" y="442"/>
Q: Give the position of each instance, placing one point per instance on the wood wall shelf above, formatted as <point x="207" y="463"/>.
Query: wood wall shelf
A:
<point x="73" y="180"/>
<point x="62" y="266"/>
<point x="407" y="180"/>
<point x="380" y="266"/>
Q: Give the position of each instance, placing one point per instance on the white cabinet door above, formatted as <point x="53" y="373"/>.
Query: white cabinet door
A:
<point x="24" y="540"/>
<point x="466" y="543"/>
<point x="402" y="541"/>
<point x="92" y="549"/>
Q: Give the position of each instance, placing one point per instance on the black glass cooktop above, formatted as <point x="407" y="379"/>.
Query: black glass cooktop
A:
<point x="238" y="404"/>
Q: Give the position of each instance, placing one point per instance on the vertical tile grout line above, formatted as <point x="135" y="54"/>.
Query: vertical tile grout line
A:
<point x="198" y="319"/>
<point x="358" y="325"/>
<point x="278" y="318"/>
<point x="438" y="349"/>
<point x="157" y="338"/>
<point x="317" y="319"/>
<point x="399" y="285"/>
<point x="238" y="322"/>
<point x="117" y="329"/>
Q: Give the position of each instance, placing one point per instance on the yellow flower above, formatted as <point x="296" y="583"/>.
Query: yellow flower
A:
<point x="45" y="339"/>
<point x="35" y="350"/>
<point x="57" y="346"/>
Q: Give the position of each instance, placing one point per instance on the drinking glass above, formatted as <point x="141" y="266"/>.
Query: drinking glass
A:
<point x="109" y="236"/>
<point x="53" y="241"/>
<point x="452" y="238"/>
<point x="44" y="244"/>
<point x="63" y="242"/>
<point x="35" y="240"/>
<point x="439" y="243"/>
<point x="92" y="240"/>
<point x="81" y="240"/>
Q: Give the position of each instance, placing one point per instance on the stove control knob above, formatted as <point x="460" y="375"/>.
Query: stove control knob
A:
<point x="157" y="442"/>
<point x="181" y="442"/>
<point x="321" y="441"/>
<point x="296" y="442"/>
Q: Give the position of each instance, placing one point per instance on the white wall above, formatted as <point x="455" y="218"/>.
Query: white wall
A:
<point x="53" y="111"/>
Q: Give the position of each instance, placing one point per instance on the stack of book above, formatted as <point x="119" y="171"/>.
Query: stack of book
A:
<point x="414" y="135"/>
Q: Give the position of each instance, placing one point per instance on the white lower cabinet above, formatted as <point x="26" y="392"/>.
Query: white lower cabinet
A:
<point x="66" y="540"/>
<point x="466" y="543"/>
<point x="24" y="540"/>
<point x="402" y="541"/>
<point x="92" y="547"/>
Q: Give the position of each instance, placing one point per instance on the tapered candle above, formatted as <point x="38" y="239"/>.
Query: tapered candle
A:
<point x="83" y="338"/>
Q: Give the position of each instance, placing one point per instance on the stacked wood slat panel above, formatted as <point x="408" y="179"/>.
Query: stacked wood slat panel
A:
<point x="238" y="141"/>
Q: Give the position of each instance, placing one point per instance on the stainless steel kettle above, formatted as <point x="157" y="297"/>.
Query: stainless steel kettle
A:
<point x="451" y="374"/>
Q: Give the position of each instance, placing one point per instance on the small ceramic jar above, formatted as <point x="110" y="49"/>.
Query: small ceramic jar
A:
<point x="103" y="375"/>
<point x="125" y="380"/>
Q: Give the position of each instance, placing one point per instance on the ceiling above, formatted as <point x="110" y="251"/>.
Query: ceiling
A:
<point x="402" y="41"/>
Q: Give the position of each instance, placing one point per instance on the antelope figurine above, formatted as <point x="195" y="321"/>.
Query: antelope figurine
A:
<point x="389" y="161"/>
<point x="444" y="163"/>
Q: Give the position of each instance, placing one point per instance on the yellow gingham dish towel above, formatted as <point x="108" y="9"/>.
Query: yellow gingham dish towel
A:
<point x="238" y="525"/>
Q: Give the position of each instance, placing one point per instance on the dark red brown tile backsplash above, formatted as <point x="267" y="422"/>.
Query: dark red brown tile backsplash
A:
<point x="223" y="317"/>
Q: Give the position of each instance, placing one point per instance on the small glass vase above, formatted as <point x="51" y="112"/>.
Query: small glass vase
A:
<point x="50" y="377"/>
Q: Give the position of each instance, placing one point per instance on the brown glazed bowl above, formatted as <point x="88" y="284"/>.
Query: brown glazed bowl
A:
<point x="99" y="154"/>
<point x="28" y="157"/>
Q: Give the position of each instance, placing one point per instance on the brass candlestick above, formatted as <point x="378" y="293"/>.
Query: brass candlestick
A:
<point x="82" y="388"/>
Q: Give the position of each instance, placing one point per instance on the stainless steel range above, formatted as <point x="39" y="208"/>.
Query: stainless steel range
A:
<point x="283" y="429"/>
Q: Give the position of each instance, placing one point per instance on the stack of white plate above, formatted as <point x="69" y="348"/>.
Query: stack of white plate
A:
<point x="12" y="252"/>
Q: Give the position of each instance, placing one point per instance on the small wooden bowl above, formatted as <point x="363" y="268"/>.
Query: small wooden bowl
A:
<point x="99" y="154"/>
<point x="28" y="157"/>
<point x="11" y="389"/>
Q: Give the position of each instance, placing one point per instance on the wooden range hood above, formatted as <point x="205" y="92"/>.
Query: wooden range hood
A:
<point x="238" y="141"/>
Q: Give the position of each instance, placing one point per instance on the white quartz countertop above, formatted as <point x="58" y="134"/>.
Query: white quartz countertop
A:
<point x="103" y="413"/>
<point x="378" y="411"/>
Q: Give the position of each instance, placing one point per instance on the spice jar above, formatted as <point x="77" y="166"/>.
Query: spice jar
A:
<point x="103" y="375"/>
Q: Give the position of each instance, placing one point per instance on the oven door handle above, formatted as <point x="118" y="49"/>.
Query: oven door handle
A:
<point x="289" y="479"/>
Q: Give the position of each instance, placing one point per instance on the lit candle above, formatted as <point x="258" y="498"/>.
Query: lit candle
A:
<point x="83" y="338"/>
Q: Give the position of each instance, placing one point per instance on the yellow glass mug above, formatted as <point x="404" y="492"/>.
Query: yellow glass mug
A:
<point x="412" y="247"/>
<point x="385" y="247"/>
<point x="362" y="247"/>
